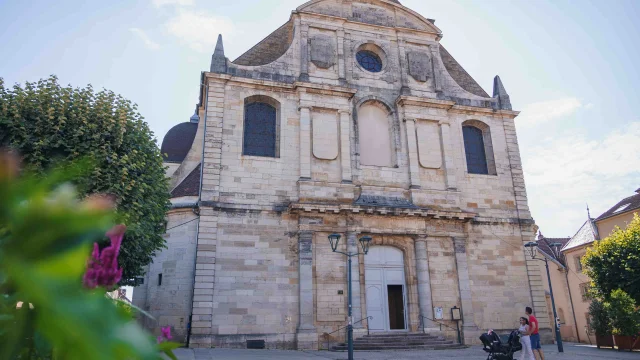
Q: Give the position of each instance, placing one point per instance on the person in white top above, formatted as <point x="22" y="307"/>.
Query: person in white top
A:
<point x="525" y="340"/>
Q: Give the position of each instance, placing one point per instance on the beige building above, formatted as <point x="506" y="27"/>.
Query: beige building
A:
<point x="577" y="282"/>
<point x="353" y="119"/>
<point x="558" y="273"/>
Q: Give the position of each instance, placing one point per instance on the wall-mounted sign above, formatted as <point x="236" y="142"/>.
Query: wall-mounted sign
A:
<point x="438" y="312"/>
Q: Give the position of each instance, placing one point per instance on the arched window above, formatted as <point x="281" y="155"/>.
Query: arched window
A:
<point x="260" y="127"/>
<point x="374" y="135"/>
<point x="478" y="148"/>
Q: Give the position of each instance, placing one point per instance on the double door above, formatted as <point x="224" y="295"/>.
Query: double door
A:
<point x="385" y="293"/>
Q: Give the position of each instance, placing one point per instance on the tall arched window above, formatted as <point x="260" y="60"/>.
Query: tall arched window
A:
<point x="374" y="135"/>
<point x="260" y="127"/>
<point x="478" y="148"/>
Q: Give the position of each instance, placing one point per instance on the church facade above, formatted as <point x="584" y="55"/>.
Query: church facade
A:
<point x="350" y="119"/>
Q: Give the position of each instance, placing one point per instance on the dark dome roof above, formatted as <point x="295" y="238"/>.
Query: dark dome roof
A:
<point x="177" y="143"/>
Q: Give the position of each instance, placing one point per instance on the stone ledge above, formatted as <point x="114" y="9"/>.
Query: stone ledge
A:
<point x="355" y="209"/>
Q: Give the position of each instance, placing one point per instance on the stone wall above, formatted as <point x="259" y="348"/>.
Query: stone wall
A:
<point x="170" y="300"/>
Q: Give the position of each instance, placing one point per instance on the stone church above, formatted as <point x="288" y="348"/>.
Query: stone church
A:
<point x="351" y="118"/>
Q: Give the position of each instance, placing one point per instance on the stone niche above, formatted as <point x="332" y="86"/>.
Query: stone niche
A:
<point x="323" y="50"/>
<point x="419" y="65"/>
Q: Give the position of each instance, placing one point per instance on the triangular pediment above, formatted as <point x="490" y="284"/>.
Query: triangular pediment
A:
<point x="377" y="12"/>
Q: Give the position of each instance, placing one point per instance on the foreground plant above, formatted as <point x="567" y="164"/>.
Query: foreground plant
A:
<point x="46" y="312"/>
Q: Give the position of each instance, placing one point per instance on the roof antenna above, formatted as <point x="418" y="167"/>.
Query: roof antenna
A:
<point x="588" y="212"/>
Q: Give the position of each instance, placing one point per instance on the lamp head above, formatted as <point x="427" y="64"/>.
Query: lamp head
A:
<point x="365" y="241"/>
<point x="334" y="239"/>
<point x="531" y="247"/>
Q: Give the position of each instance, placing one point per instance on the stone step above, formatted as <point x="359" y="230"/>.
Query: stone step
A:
<point x="400" y="347"/>
<point x="401" y="337"/>
<point x="404" y="342"/>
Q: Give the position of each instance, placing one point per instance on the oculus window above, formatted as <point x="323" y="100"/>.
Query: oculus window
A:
<point x="369" y="60"/>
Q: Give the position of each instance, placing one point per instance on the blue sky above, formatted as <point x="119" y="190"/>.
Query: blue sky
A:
<point x="571" y="67"/>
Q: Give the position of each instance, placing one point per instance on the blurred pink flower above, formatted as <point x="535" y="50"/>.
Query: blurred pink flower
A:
<point x="102" y="267"/>
<point x="166" y="334"/>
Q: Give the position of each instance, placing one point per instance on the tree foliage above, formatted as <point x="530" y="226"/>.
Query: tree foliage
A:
<point x="599" y="318"/>
<point x="623" y="314"/>
<point x="49" y="124"/>
<point x="614" y="262"/>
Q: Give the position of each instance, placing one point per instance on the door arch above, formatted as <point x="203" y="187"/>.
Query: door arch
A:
<point x="386" y="289"/>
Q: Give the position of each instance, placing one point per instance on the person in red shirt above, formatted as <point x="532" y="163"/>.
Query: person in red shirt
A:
<point x="535" y="335"/>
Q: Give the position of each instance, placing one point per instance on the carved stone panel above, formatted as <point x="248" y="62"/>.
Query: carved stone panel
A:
<point x="429" y="150"/>
<point x="419" y="65"/>
<point x="325" y="135"/>
<point x="323" y="51"/>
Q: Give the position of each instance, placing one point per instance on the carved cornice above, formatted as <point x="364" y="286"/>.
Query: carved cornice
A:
<point x="374" y="210"/>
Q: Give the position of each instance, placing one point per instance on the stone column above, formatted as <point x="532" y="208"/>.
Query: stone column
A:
<point x="424" y="281"/>
<point x="466" y="301"/>
<point x="412" y="144"/>
<point x="306" y="333"/>
<point x="356" y="309"/>
<point x="345" y="145"/>
<point x="448" y="156"/>
<point x="305" y="143"/>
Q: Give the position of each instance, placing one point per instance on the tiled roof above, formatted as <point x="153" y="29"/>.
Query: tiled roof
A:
<point x="586" y="235"/>
<point x="625" y="205"/>
<point x="177" y="143"/>
<point x="544" y="246"/>
<point x="189" y="186"/>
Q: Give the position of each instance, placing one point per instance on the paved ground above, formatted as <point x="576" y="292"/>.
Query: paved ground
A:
<point x="571" y="352"/>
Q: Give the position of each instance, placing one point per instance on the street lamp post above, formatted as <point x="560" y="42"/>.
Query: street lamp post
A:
<point x="364" y="243"/>
<point x="531" y="246"/>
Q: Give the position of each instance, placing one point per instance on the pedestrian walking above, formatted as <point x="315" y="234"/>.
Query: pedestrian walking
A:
<point x="525" y="340"/>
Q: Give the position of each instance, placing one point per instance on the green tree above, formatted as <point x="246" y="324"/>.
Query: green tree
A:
<point x="623" y="314"/>
<point x="49" y="124"/>
<point x="614" y="262"/>
<point x="599" y="318"/>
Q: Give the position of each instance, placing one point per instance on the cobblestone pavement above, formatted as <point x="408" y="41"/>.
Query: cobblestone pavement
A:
<point x="571" y="352"/>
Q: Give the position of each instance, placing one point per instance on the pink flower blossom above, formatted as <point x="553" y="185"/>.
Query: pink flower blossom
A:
<point x="102" y="267"/>
<point x="166" y="334"/>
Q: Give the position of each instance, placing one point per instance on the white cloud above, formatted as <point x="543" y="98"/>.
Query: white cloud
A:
<point x="142" y="35"/>
<point x="540" y="112"/>
<point x="198" y="30"/>
<point x="160" y="3"/>
<point x="565" y="173"/>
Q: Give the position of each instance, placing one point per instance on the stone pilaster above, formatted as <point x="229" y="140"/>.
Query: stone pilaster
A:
<point x="304" y="52"/>
<point x="306" y="333"/>
<point x="345" y="145"/>
<point x="305" y="143"/>
<point x="424" y="281"/>
<point x="341" y="58"/>
<point x="412" y="144"/>
<point x="464" y="287"/>
<point x="404" y="90"/>
<point x="448" y="156"/>
<point x="356" y="310"/>
<point x="437" y="76"/>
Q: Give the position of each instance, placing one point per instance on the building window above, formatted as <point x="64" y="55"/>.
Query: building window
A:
<point x="478" y="148"/>
<point x="159" y="279"/>
<point x="561" y="316"/>
<point x="260" y="127"/>
<point x="374" y="134"/>
<point x="586" y="315"/>
<point x="369" y="60"/>
<point x="584" y="291"/>
<point x="578" y="263"/>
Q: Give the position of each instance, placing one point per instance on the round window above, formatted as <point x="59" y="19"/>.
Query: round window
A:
<point x="369" y="60"/>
